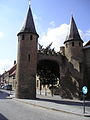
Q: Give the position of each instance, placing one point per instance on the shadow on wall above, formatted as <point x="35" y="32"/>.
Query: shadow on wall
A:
<point x="2" y="117"/>
<point x="71" y="82"/>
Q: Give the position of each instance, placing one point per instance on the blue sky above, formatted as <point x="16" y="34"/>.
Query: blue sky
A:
<point x="52" y="18"/>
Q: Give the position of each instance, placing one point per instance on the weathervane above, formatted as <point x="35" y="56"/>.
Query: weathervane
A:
<point x="29" y="3"/>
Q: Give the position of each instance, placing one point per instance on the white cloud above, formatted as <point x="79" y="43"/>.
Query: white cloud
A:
<point x="52" y="23"/>
<point x="85" y="35"/>
<point x="1" y="34"/>
<point x="5" y="65"/>
<point x="56" y="35"/>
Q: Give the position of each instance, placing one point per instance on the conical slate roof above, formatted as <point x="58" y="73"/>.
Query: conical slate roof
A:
<point x="28" y="24"/>
<point x="73" y="33"/>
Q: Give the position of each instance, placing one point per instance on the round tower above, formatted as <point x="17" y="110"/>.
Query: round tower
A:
<point x="74" y="57"/>
<point x="27" y="59"/>
<point x="74" y="45"/>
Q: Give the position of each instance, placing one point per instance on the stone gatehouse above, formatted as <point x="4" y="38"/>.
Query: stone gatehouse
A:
<point x="73" y="60"/>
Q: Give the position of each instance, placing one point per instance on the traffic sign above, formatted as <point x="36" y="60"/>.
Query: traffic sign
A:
<point x="84" y="89"/>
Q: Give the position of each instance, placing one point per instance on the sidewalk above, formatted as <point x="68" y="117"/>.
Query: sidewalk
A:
<point x="56" y="103"/>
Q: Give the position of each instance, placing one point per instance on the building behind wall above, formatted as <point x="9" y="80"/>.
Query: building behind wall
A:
<point x="86" y="50"/>
<point x="9" y="77"/>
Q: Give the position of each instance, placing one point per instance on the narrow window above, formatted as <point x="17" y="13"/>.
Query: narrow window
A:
<point x="80" y="67"/>
<point x="22" y="37"/>
<point x="66" y="45"/>
<point x="80" y="44"/>
<point x="31" y="37"/>
<point x="29" y="57"/>
<point x="72" y="43"/>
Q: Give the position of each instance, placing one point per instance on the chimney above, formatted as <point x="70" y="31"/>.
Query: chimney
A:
<point x="62" y="50"/>
<point x="14" y="62"/>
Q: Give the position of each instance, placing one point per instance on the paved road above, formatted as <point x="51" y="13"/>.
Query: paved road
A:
<point x="15" y="110"/>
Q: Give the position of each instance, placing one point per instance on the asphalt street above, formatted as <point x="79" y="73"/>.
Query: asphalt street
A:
<point x="10" y="109"/>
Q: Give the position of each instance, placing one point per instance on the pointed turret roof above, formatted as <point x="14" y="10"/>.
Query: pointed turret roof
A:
<point x="28" y="26"/>
<point x="73" y="33"/>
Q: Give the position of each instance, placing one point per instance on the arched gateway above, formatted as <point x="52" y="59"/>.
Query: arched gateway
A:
<point x="69" y="62"/>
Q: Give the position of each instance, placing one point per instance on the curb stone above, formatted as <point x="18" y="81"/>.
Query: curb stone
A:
<point x="51" y="108"/>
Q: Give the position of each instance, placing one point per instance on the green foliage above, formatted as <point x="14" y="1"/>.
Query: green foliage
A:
<point x="47" y="74"/>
